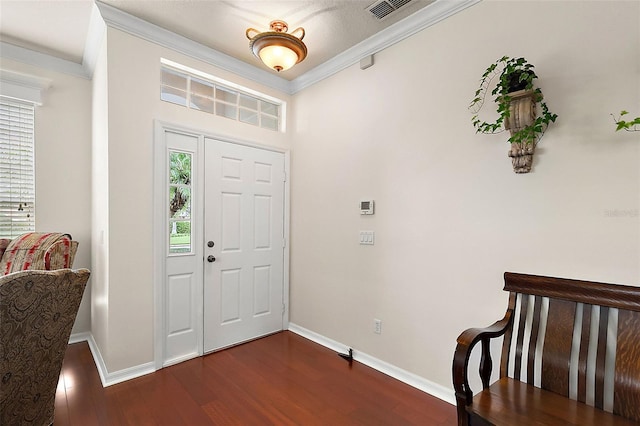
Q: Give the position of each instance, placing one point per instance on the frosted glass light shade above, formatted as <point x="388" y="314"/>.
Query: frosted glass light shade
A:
<point x="278" y="58"/>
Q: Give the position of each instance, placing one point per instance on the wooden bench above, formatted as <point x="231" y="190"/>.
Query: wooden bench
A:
<point x="570" y="356"/>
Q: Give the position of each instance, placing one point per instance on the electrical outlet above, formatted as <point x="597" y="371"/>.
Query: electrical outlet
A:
<point x="377" y="326"/>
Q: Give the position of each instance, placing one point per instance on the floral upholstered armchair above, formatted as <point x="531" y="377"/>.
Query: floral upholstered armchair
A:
<point x="36" y="250"/>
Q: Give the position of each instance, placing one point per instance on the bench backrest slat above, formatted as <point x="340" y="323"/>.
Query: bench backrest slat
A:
<point x="576" y="338"/>
<point x="535" y="329"/>
<point x="557" y="347"/>
<point x="582" y="354"/>
<point x="627" y="381"/>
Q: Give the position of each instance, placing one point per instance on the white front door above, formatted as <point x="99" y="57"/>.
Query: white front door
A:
<point x="243" y="243"/>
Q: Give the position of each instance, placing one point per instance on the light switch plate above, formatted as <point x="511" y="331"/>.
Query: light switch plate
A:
<point x="367" y="238"/>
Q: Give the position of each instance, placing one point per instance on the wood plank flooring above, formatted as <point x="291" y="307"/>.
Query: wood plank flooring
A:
<point x="282" y="379"/>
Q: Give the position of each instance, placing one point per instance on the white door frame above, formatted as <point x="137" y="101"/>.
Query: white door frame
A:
<point x="159" y="224"/>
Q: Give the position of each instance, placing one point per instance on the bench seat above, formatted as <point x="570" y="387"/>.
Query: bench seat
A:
<point x="512" y="402"/>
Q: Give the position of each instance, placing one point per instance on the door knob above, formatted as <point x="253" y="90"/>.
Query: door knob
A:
<point x="211" y="258"/>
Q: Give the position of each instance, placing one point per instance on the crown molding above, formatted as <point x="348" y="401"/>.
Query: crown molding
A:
<point x="423" y="18"/>
<point x="41" y="60"/>
<point x="24" y="87"/>
<point x="120" y="20"/>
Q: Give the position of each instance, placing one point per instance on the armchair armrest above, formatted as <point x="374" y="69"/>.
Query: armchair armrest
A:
<point x="466" y="342"/>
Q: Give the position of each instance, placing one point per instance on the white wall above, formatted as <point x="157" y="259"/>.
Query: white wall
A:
<point x="451" y="215"/>
<point x="62" y="156"/>
<point x="133" y="105"/>
<point x="100" y="200"/>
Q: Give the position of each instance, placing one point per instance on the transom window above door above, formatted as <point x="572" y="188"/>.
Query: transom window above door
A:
<point x="196" y="91"/>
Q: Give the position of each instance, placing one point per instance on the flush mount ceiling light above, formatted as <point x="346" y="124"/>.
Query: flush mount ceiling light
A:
<point x="276" y="48"/>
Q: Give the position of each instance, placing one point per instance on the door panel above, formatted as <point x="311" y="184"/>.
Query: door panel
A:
<point x="244" y="217"/>
<point x="231" y="221"/>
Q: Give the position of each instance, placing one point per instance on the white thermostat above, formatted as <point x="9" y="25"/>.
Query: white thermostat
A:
<point x="366" y="207"/>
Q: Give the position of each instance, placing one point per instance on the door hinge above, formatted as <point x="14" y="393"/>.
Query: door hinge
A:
<point x="284" y="308"/>
<point x="284" y="176"/>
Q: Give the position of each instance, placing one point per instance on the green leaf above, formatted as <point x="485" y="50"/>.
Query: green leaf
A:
<point x="500" y="97"/>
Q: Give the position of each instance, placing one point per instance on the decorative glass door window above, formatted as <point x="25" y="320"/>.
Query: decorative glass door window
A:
<point x="180" y="185"/>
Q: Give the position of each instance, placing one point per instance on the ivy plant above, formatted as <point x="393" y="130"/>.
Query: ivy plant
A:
<point x="514" y="74"/>
<point x="629" y="126"/>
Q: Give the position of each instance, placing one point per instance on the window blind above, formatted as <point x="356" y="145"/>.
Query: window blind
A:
<point x="17" y="180"/>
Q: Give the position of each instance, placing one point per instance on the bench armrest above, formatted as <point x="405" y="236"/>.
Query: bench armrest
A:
<point x="466" y="342"/>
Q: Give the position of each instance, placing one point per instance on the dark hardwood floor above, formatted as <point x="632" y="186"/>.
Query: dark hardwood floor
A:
<point x="283" y="379"/>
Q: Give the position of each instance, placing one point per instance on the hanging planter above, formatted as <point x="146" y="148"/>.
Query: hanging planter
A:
<point x="517" y="101"/>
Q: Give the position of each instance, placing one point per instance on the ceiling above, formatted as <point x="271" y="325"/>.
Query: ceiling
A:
<point x="60" y="27"/>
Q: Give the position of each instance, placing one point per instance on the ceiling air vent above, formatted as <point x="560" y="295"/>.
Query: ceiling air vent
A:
<point x="384" y="8"/>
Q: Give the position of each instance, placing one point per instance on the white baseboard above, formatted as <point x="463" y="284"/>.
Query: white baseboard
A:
<point x="79" y="337"/>
<point x="107" y="378"/>
<point x="180" y="359"/>
<point x="404" y="376"/>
